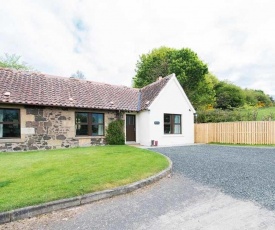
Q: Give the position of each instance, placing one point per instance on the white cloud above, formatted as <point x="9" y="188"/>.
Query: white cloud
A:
<point x="105" y="38"/>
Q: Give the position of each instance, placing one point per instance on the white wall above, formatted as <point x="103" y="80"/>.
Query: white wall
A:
<point x="171" y="100"/>
<point x="142" y="128"/>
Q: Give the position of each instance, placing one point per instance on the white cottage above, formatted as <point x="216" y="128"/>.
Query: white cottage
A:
<point x="166" y="118"/>
<point x="39" y="111"/>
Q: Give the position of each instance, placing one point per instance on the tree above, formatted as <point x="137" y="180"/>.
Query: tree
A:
<point x="228" y="95"/>
<point x="13" y="61"/>
<point x="262" y="98"/>
<point x="79" y="75"/>
<point x="185" y="63"/>
<point x="204" y="96"/>
<point x="257" y="98"/>
<point x="151" y="66"/>
<point x="250" y="97"/>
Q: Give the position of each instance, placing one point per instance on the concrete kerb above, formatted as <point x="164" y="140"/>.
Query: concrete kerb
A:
<point x="36" y="210"/>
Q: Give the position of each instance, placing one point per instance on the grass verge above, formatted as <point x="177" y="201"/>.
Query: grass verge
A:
<point x="29" y="178"/>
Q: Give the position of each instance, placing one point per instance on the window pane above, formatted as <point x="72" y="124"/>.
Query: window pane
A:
<point x="177" y="118"/>
<point x="100" y="130"/>
<point x="97" y="118"/>
<point x="10" y="130"/>
<point x="9" y="115"/>
<point x="166" y="118"/>
<point x="1" y="115"/>
<point x="97" y="130"/>
<point x="100" y="118"/>
<point x="81" y="129"/>
<point x="130" y="120"/>
<point x="167" y="129"/>
<point x="81" y="118"/>
<point x="177" y="129"/>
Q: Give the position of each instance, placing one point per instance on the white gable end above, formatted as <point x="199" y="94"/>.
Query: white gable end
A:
<point x="171" y="100"/>
<point x="172" y="89"/>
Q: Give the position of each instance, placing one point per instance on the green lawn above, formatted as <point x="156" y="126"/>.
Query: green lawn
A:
<point x="29" y="178"/>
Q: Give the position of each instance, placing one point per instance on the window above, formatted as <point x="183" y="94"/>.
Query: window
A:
<point x="89" y="124"/>
<point x="172" y="124"/>
<point x="9" y="123"/>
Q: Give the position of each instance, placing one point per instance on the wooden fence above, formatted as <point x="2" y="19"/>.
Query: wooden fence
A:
<point x="244" y="132"/>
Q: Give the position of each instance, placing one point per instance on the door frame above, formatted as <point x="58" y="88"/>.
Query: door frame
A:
<point x="135" y="128"/>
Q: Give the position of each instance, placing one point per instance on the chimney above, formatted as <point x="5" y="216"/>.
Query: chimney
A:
<point x="159" y="78"/>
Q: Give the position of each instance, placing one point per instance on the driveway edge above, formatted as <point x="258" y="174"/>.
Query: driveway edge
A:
<point x="31" y="211"/>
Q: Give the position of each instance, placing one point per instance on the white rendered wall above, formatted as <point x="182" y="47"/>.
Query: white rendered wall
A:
<point x="171" y="100"/>
<point x="142" y="128"/>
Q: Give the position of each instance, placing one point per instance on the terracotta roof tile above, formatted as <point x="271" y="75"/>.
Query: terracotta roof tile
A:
<point x="150" y="92"/>
<point x="40" y="89"/>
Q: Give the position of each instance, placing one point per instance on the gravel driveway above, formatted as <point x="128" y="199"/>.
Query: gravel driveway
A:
<point x="212" y="187"/>
<point x="242" y="172"/>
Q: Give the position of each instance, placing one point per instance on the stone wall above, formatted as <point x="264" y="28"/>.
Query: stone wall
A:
<point x="50" y="128"/>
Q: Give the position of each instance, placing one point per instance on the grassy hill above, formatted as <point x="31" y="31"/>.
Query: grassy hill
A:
<point x="264" y="113"/>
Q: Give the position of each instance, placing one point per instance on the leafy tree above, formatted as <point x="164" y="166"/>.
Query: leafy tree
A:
<point x="79" y="75"/>
<point x="189" y="69"/>
<point x="204" y="96"/>
<point x="257" y="98"/>
<point x="151" y="66"/>
<point x="185" y="63"/>
<point x="263" y="98"/>
<point x="13" y="61"/>
<point x="271" y="99"/>
<point x="250" y="97"/>
<point x="228" y="95"/>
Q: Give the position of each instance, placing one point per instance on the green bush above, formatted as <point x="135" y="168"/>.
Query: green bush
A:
<point x="115" y="133"/>
<point x="218" y="115"/>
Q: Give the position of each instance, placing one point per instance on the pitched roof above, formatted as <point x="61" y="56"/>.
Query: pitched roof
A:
<point x="150" y="92"/>
<point x="32" y="88"/>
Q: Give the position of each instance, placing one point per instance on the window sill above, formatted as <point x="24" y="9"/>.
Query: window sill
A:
<point x="4" y="140"/>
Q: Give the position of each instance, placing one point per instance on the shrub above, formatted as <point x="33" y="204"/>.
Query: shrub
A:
<point x="218" y="115"/>
<point x="115" y="133"/>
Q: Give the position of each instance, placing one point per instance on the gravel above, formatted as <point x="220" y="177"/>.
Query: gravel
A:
<point x="243" y="172"/>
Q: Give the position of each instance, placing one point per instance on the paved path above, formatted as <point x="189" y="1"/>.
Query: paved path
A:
<point x="204" y="192"/>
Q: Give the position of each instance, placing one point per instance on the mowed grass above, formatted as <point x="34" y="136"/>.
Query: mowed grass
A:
<point x="29" y="178"/>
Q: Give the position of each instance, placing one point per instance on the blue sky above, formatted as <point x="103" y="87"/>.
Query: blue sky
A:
<point x="104" y="38"/>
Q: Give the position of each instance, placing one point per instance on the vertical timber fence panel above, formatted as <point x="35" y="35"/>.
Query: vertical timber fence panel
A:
<point x="243" y="132"/>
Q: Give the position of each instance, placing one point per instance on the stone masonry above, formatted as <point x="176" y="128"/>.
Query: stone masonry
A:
<point x="50" y="128"/>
